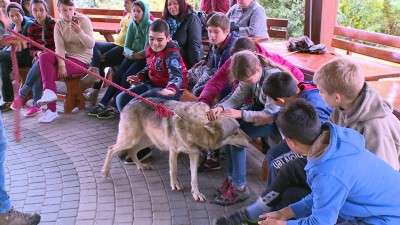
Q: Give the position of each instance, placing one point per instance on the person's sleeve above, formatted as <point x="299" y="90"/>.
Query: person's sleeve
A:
<point x="322" y="206"/>
<point x="214" y="86"/>
<point x="2" y="29"/>
<point x="31" y="48"/>
<point x="194" y="39"/>
<point x="146" y="42"/>
<point x="257" y="20"/>
<point x="174" y="67"/>
<point x="238" y="97"/>
<point x="293" y="69"/>
<point x="269" y="109"/>
<point x="86" y="34"/>
<point x="60" y="44"/>
<point x="129" y="39"/>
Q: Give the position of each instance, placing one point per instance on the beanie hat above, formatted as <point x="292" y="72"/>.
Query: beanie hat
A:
<point x="14" y="6"/>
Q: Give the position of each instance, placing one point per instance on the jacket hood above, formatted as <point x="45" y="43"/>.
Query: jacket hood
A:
<point x="146" y="14"/>
<point x="367" y="106"/>
<point x="306" y="86"/>
<point x="334" y="142"/>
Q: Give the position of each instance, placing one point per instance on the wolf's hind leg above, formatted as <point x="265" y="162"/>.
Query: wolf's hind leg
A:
<point x="143" y="143"/>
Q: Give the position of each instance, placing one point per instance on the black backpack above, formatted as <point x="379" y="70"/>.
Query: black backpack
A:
<point x="202" y="17"/>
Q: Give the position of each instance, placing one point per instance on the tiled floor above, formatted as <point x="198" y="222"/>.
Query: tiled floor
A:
<point x="55" y="170"/>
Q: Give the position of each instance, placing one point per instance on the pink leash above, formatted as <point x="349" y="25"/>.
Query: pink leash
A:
<point x="160" y="109"/>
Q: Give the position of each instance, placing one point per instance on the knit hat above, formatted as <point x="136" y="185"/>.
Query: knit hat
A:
<point x="14" y="6"/>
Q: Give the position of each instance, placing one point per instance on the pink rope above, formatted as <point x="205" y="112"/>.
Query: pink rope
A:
<point x="15" y="75"/>
<point x="160" y="110"/>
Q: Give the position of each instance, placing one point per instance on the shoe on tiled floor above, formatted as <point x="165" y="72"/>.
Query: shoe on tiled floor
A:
<point x="97" y="109"/>
<point x="17" y="103"/>
<point x="109" y="113"/>
<point x="48" y="116"/>
<point x="5" y="107"/>
<point x="233" y="195"/>
<point x="212" y="162"/>
<point x="91" y="95"/>
<point x="32" y="111"/>
<point x="237" y="218"/>
<point x="142" y="155"/>
<point x="90" y="79"/>
<point x="48" y="96"/>
<point x="14" y="217"/>
<point x="223" y="187"/>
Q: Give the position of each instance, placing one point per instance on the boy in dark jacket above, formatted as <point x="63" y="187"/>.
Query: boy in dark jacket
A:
<point x="165" y="75"/>
<point x="220" y="50"/>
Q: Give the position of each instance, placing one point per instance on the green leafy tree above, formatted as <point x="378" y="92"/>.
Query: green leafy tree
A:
<point x="288" y="9"/>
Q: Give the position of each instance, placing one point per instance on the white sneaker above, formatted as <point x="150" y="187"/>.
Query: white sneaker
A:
<point x="48" y="116"/>
<point x="48" y="96"/>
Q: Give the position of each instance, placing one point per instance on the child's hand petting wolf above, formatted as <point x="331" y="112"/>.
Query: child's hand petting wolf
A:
<point x="234" y="113"/>
<point x="166" y="92"/>
<point x="214" y="113"/>
<point x="260" y="120"/>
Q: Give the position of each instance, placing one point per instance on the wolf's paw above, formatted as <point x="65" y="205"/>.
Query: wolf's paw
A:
<point x="177" y="187"/>
<point x="199" y="197"/>
<point x="105" y="172"/>
<point x="144" y="166"/>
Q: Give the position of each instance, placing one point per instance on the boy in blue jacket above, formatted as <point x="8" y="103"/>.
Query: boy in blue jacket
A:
<point x="348" y="183"/>
<point x="283" y="88"/>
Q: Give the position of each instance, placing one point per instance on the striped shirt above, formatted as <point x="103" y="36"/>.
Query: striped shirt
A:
<point x="37" y="34"/>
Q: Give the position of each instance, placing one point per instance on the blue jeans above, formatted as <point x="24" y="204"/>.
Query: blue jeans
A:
<point x="5" y="204"/>
<point x="236" y="157"/>
<point x="128" y="67"/>
<point x="113" y="57"/>
<point x="146" y="90"/>
<point x="33" y="82"/>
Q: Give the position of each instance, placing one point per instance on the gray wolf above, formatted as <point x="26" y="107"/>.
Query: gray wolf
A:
<point x="187" y="131"/>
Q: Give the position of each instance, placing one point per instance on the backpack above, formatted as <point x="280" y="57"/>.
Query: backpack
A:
<point x="202" y="17"/>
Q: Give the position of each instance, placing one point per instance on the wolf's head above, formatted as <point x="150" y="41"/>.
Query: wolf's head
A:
<point x="231" y="132"/>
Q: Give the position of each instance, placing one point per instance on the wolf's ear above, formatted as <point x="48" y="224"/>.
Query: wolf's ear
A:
<point x="211" y="126"/>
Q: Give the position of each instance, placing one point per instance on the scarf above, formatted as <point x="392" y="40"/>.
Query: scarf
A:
<point x="173" y="25"/>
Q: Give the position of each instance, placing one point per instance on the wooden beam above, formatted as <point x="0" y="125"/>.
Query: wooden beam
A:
<point x="320" y="20"/>
<point x="53" y="10"/>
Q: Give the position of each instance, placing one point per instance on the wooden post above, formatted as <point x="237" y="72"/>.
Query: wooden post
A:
<point x="53" y="10"/>
<point x="320" y="20"/>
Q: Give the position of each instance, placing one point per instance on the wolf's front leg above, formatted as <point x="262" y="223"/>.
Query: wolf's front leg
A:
<point x="194" y="160"/>
<point x="173" y="164"/>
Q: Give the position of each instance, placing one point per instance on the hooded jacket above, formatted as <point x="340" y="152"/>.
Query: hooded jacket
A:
<point x="166" y="68"/>
<point x="137" y="35"/>
<point x="373" y="118"/>
<point x="221" y="78"/>
<point x="25" y="24"/>
<point x="260" y="104"/>
<point x="347" y="180"/>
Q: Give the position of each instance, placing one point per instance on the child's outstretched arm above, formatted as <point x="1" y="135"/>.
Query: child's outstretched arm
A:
<point x="174" y="67"/>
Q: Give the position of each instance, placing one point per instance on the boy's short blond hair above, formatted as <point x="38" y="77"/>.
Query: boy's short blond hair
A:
<point x="341" y="76"/>
<point x="219" y="20"/>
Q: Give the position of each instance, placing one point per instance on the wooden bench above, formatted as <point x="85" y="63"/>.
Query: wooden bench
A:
<point x="106" y="21"/>
<point x="74" y="97"/>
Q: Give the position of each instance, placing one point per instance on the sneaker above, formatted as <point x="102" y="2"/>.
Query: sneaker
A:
<point x="142" y="155"/>
<point x="89" y="79"/>
<point x="97" y="109"/>
<point x="48" y="116"/>
<point x="237" y="218"/>
<point x="14" y="217"/>
<point x="91" y="95"/>
<point x="110" y="112"/>
<point x="209" y="165"/>
<point x="33" y="110"/>
<point x="5" y="107"/>
<point x="232" y="195"/>
<point x="17" y="103"/>
<point x="223" y="187"/>
<point x="48" y="96"/>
